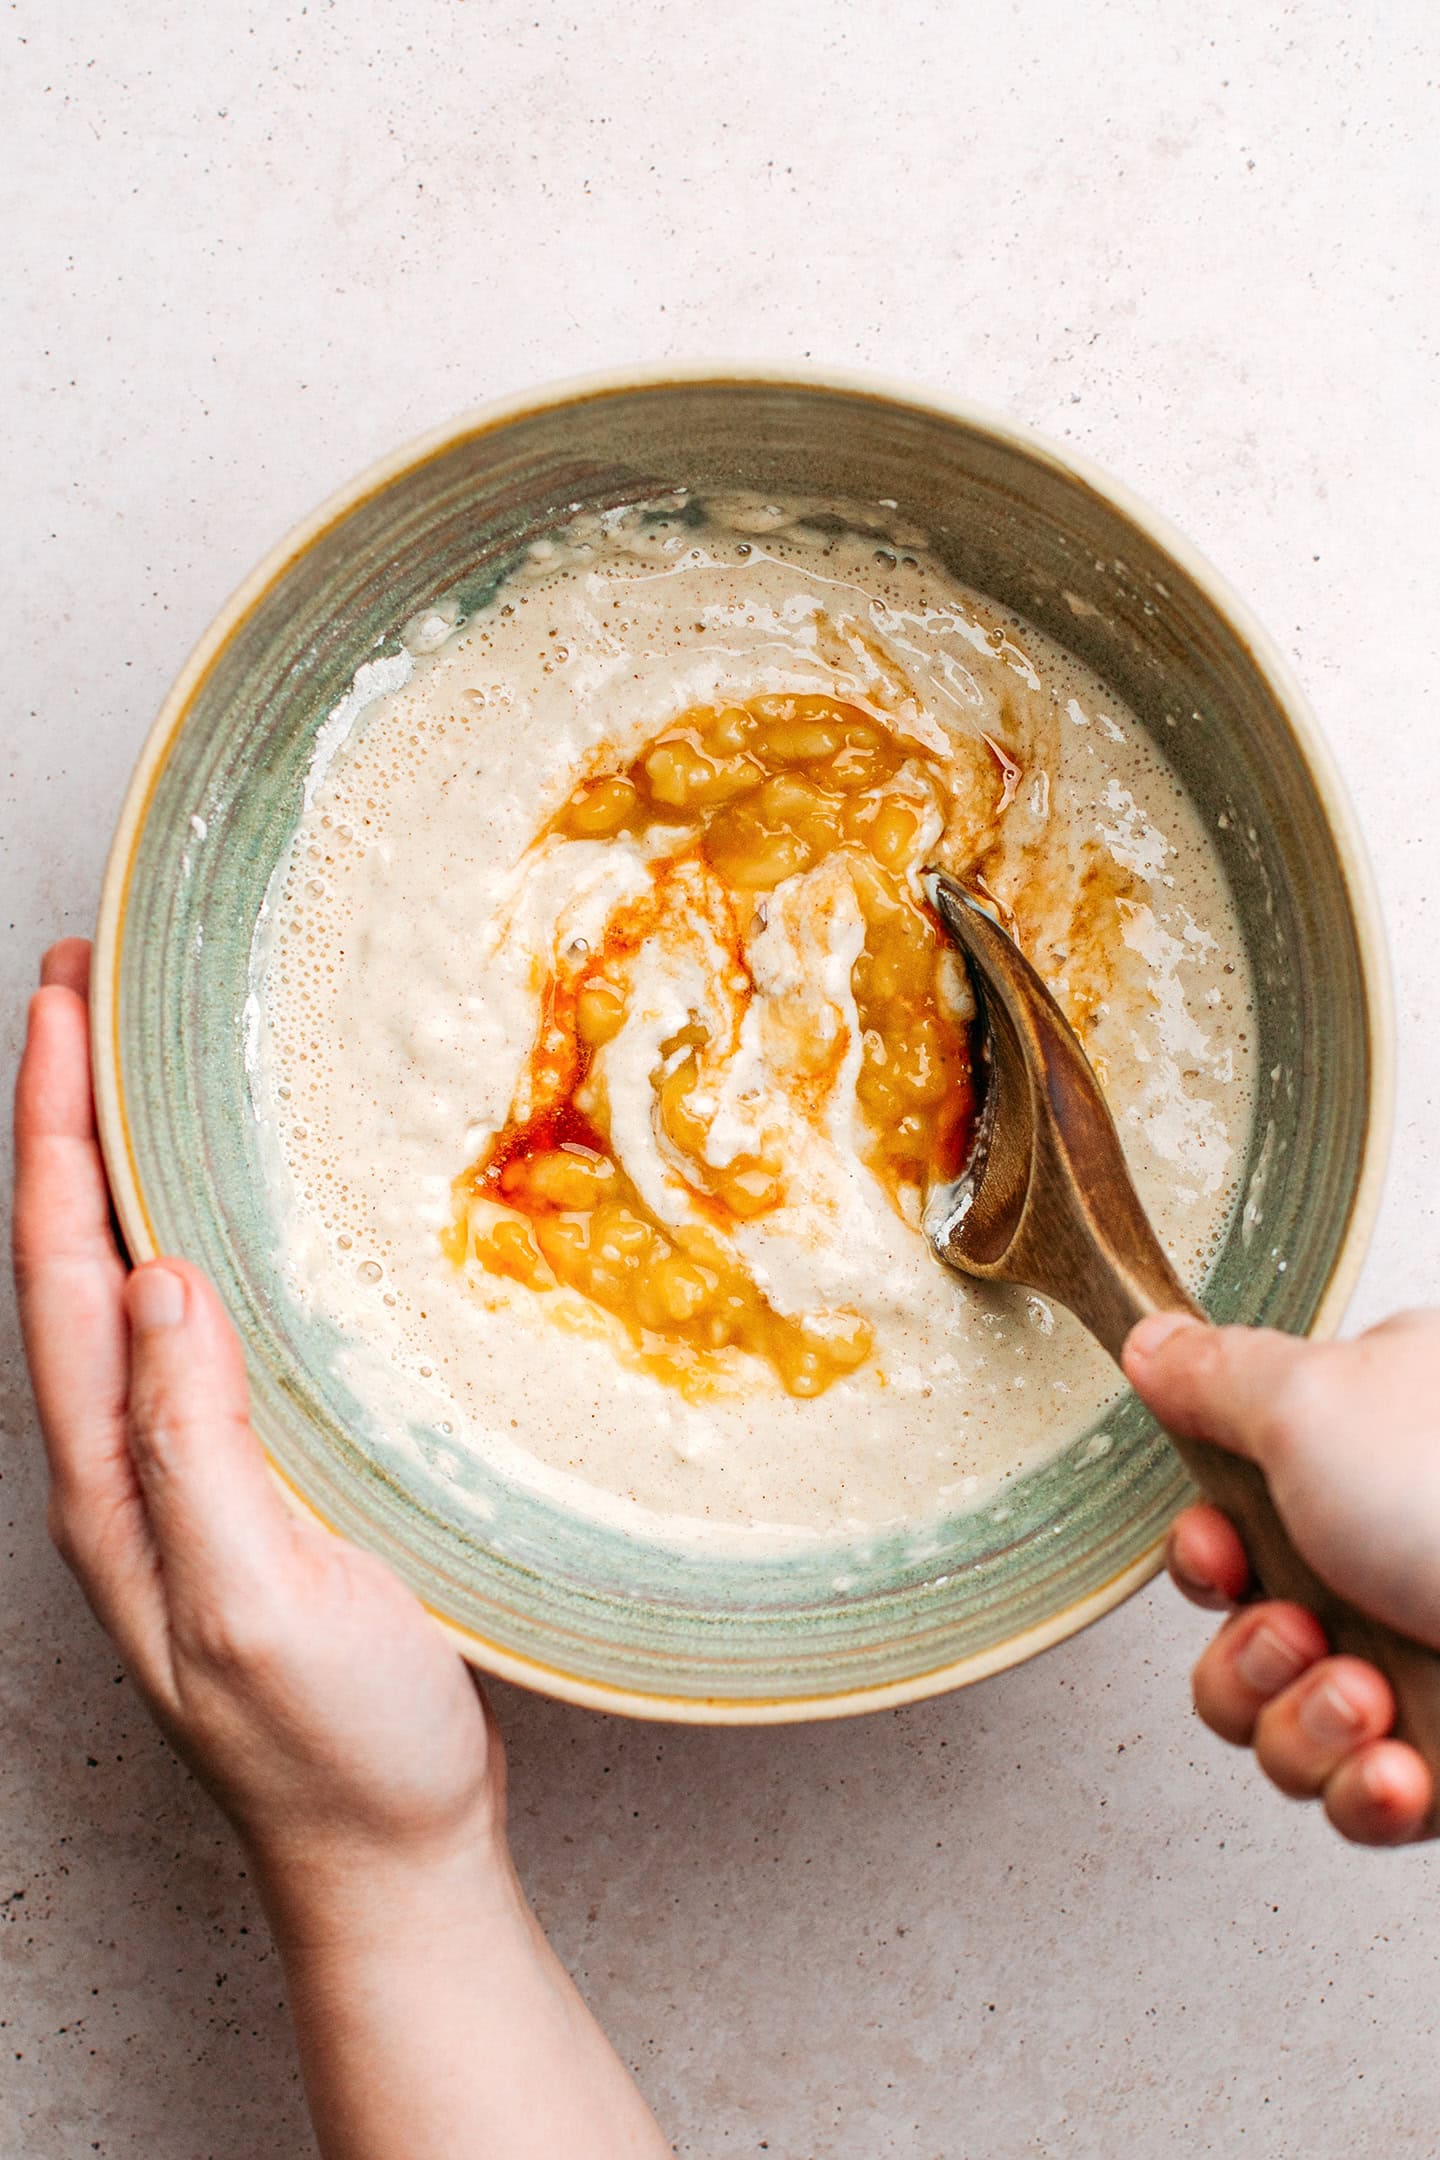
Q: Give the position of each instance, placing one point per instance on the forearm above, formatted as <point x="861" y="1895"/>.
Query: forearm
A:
<point x="434" y="2022"/>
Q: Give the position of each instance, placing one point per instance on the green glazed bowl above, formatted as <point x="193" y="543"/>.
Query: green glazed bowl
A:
<point x="577" y="1609"/>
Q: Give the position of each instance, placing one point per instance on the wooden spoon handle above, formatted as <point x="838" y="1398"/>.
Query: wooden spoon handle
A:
<point x="1050" y="1203"/>
<point x="1239" y="1488"/>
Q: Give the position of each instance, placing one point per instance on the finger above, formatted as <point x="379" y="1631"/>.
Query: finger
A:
<point x="68" y="1273"/>
<point x="70" y="1281"/>
<point x="1304" y="1734"/>
<point x="1207" y="1560"/>
<point x="1221" y="1384"/>
<point x="1257" y="1654"/>
<point x="68" y="963"/>
<point x="216" y="1517"/>
<point x="55" y="1128"/>
<point x="1380" y="1795"/>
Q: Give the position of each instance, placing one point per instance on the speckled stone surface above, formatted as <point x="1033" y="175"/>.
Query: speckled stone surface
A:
<point x="250" y="248"/>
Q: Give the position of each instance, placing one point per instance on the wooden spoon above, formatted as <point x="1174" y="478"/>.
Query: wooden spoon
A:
<point x="1046" y="1200"/>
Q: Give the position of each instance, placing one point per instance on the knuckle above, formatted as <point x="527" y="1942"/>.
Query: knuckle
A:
<point x="166" y="1435"/>
<point x="1208" y="1351"/>
<point x="155" y="1419"/>
<point x="1191" y="1361"/>
<point x="1298" y="1403"/>
<point x="172" y="1433"/>
<point x="1208" y="1355"/>
<point x="230" y="1635"/>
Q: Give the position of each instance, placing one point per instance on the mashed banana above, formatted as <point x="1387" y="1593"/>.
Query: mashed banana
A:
<point x="764" y="832"/>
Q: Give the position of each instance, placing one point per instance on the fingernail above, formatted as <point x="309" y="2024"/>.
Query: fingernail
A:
<point x="157" y="1298"/>
<point x="1149" y="1337"/>
<point x="1328" y="1717"/>
<point x="1267" y="1662"/>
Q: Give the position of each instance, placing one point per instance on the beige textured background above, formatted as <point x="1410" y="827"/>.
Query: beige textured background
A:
<point x="251" y="246"/>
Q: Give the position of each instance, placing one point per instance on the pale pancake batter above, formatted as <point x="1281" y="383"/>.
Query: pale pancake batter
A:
<point x="473" y="899"/>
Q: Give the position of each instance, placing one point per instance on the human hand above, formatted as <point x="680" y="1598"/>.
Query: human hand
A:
<point x="304" y="1684"/>
<point x="307" y="1688"/>
<point x="1348" y="1436"/>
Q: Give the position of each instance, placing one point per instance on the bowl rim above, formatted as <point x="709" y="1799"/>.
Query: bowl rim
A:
<point x="113" y="1123"/>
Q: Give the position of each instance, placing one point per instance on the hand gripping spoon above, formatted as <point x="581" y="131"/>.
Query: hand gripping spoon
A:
<point x="1045" y="1200"/>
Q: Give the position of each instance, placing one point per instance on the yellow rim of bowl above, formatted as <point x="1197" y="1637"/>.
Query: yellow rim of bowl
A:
<point x="130" y="1206"/>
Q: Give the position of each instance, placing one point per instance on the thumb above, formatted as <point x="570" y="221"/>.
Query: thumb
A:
<point x="213" y="1510"/>
<point x="1213" y="1383"/>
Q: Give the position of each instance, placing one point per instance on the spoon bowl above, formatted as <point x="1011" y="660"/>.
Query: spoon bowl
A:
<point x="1045" y="1198"/>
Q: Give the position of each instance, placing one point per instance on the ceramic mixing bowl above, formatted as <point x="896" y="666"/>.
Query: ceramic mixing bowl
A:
<point x="544" y="1597"/>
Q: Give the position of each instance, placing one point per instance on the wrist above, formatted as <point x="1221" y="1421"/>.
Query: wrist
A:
<point x="331" y="1895"/>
